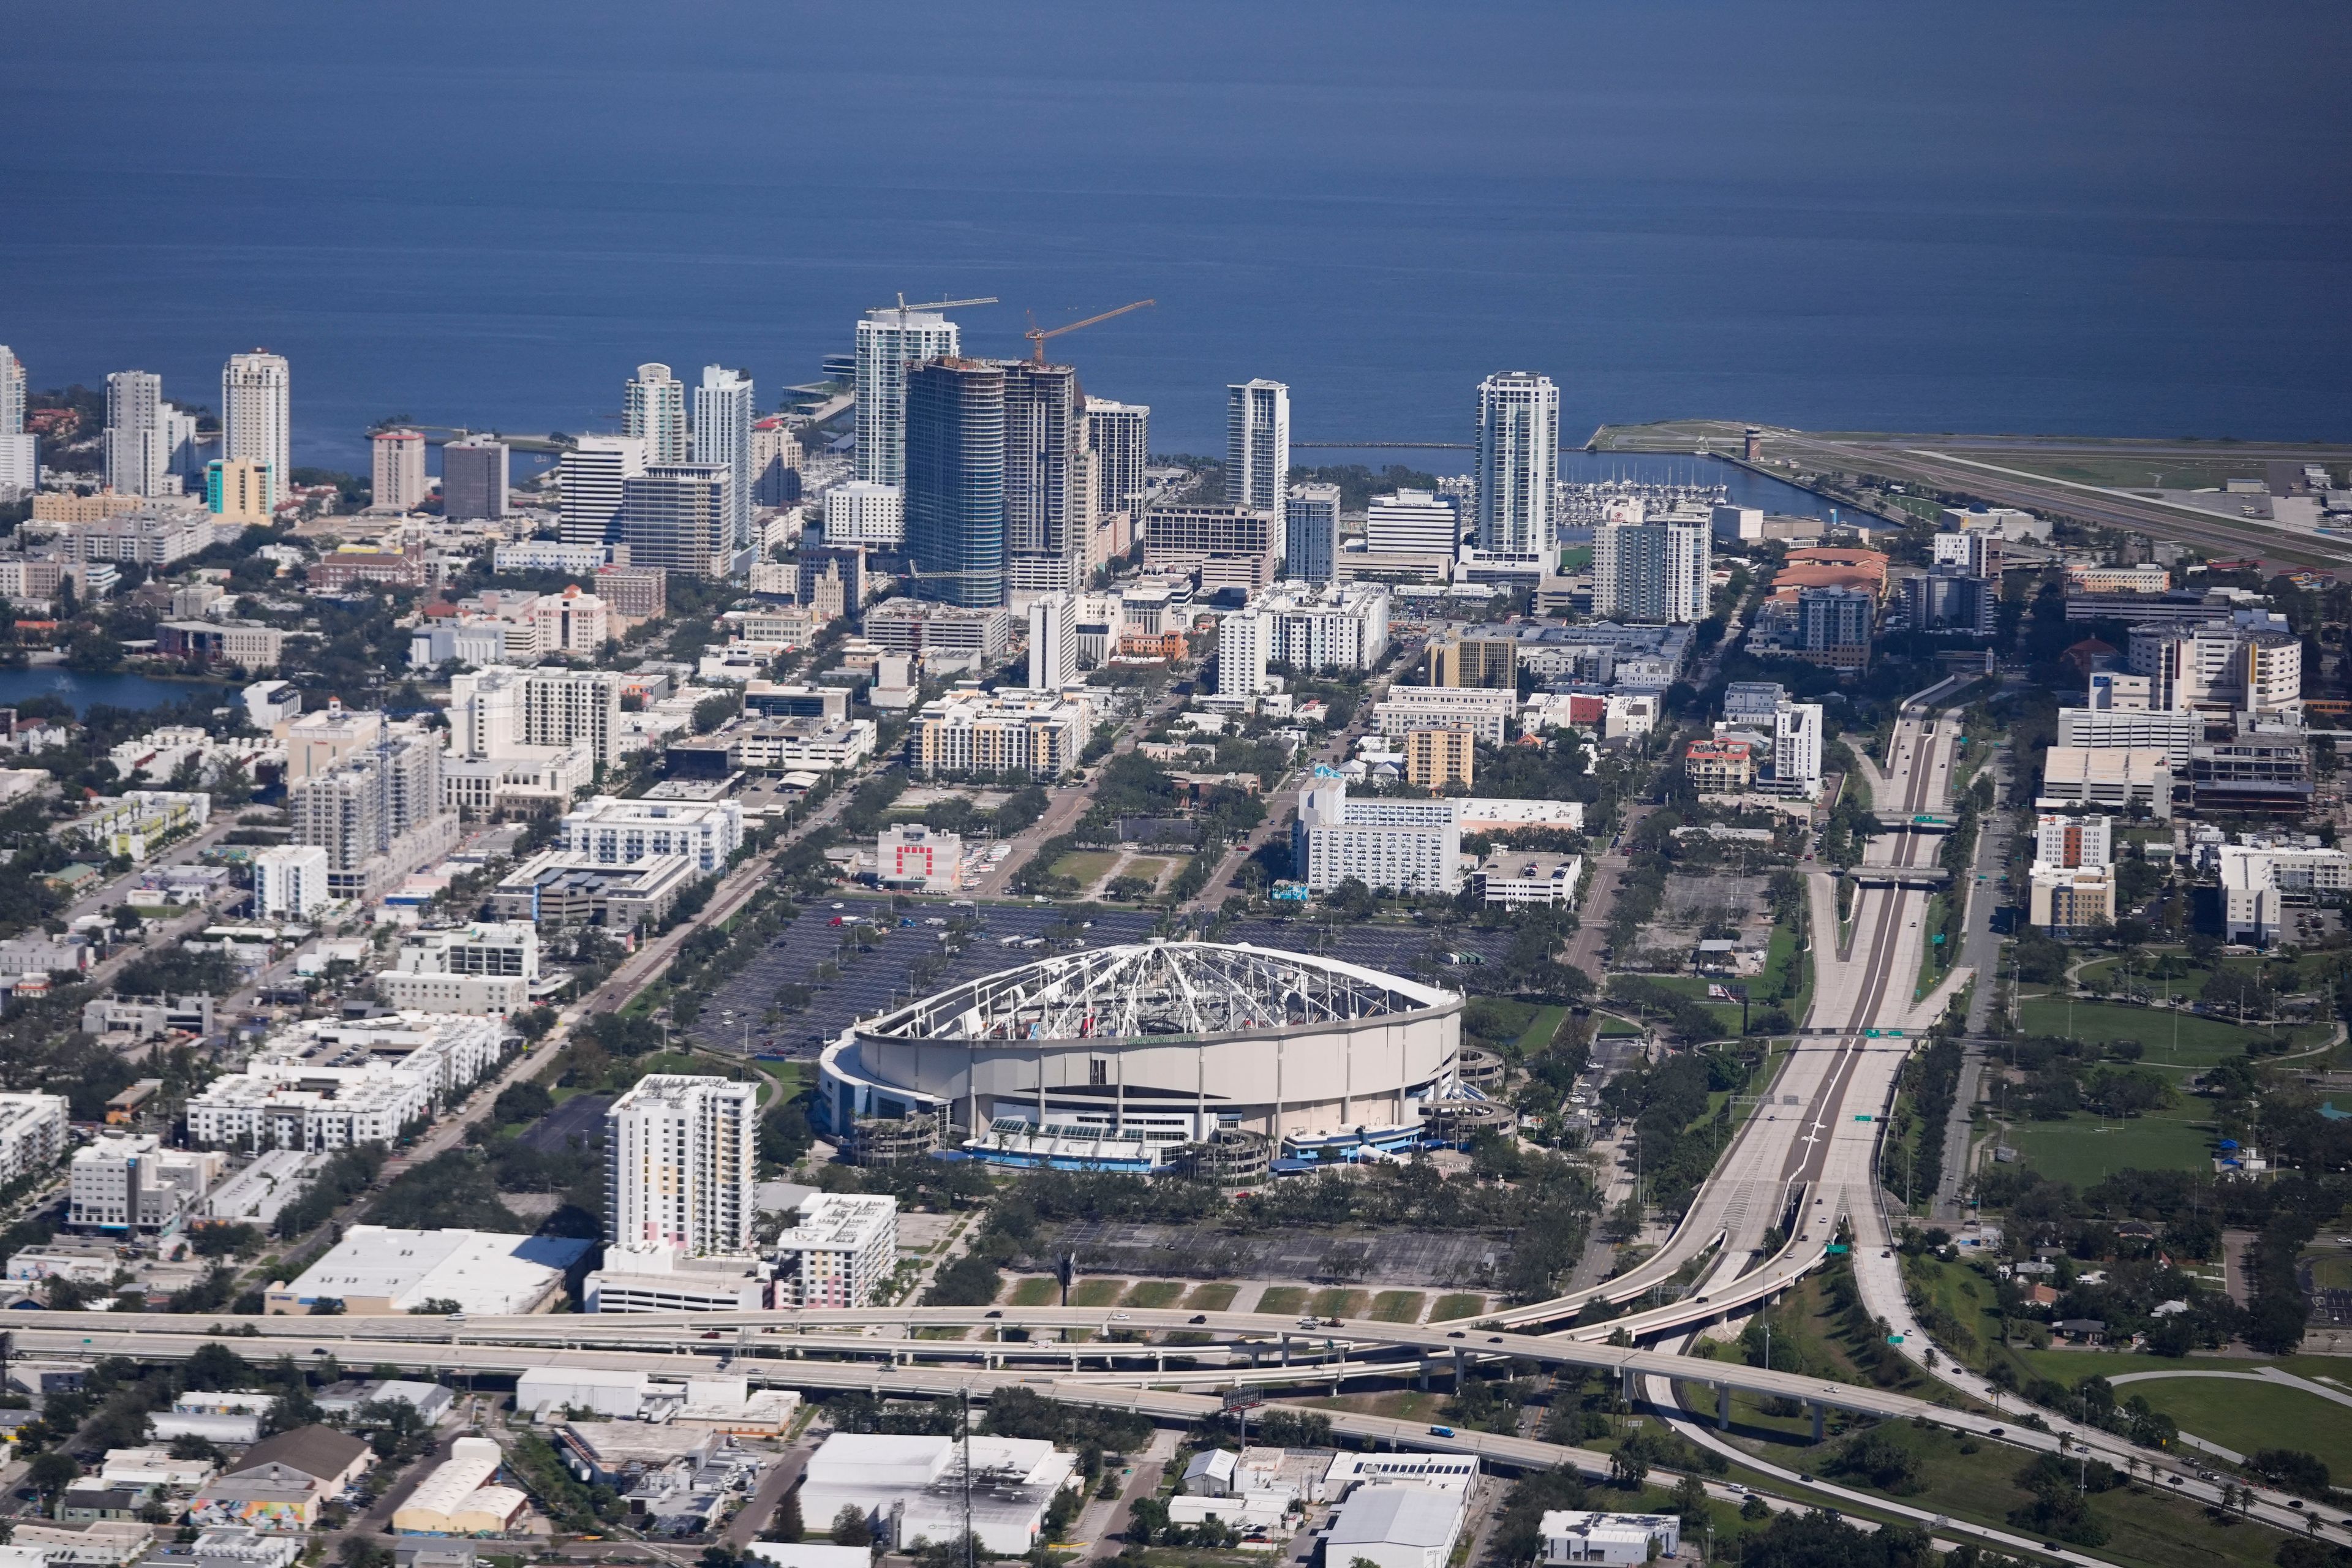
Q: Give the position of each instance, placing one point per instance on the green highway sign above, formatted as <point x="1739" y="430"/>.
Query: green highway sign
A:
<point x="1836" y="1249"/>
<point x="1862" y="1118"/>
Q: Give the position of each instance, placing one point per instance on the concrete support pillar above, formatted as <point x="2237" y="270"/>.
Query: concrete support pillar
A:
<point x="1421" y="1375"/>
<point x="1159" y="1359"/>
<point x="1817" y="1420"/>
<point x="1723" y="1407"/>
<point x="1286" y="1350"/>
<point x="1629" y="1384"/>
<point x="1461" y="1365"/>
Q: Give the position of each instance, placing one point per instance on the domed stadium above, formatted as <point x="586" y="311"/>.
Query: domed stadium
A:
<point x="1134" y="1057"/>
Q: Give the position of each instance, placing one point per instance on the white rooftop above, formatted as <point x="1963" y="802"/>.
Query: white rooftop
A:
<point x="481" y="1270"/>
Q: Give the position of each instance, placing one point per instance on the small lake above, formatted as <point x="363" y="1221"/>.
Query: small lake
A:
<point x="86" y="690"/>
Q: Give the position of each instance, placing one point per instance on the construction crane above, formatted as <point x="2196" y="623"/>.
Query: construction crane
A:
<point x="935" y="304"/>
<point x="1037" y="336"/>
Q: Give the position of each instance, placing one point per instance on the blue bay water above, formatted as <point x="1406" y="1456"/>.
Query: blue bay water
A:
<point x="2093" y="218"/>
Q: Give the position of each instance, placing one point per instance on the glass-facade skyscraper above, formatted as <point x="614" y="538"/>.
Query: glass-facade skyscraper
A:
<point x="955" y="481"/>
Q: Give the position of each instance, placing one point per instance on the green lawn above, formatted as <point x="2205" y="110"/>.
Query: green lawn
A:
<point x="1613" y="1024"/>
<point x="1098" y="1292"/>
<point x="1212" y="1297"/>
<point x="1286" y="1300"/>
<point x="2251" y="1415"/>
<point x="1087" y="865"/>
<point x="2174" y="1038"/>
<point x="1935" y="958"/>
<point x="1460" y="1304"/>
<point x="1398" y="1307"/>
<point x="1153" y="1293"/>
<point x="1035" y="1290"/>
<point x="1339" y="1302"/>
<point x="1540" y="1030"/>
<point x="2085" y="1150"/>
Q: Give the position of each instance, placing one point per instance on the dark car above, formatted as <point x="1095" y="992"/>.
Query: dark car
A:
<point x="1457" y="1334"/>
<point x="1200" y="1317"/>
<point x="992" y="1312"/>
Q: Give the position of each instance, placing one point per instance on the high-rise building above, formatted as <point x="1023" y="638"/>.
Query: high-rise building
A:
<point x="1257" y="445"/>
<point x="1244" y="639"/>
<point x="20" y="458"/>
<point x="237" y="490"/>
<point x="1413" y="522"/>
<point x="186" y="459"/>
<point x="1518" y="461"/>
<point x="1653" y="571"/>
<point x="495" y="710"/>
<point x="1053" y="642"/>
<point x="955" y="481"/>
<point x="138" y="449"/>
<point x="775" y="462"/>
<point x="474" y="478"/>
<point x="254" y="392"/>
<point x="890" y="342"/>
<point x="679" y="1164"/>
<point x="1119" y="435"/>
<point x="723" y="411"/>
<point x="594" y="474"/>
<point x="12" y="393"/>
<point x="653" y="409"/>
<point x="358" y="807"/>
<point x="1045" y="462"/>
<point x="676" y="516"/>
<point x="1310" y="532"/>
<point x="1834" y="625"/>
<point x="400" y="484"/>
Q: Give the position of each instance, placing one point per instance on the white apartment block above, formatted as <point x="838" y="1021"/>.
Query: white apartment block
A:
<point x="502" y="712"/>
<point x="1243" y="647"/>
<point x="2258" y="887"/>
<point x="609" y="831"/>
<point x="724" y="408"/>
<point x="679" y="1164"/>
<point x="1519" y="465"/>
<point x="653" y="409"/>
<point x="486" y="968"/>
<point x="864" y="512"/>
<point x="138" y="443"/>
<point x="842" y="1248"/>
<point x="1053" y="641"/>
<point x="592" y="474"/>
<point x="32" y="1132"/>
<point x="1652" y="571"/>
<point x="1413" y="522"/>
<point x="1484" y="710"/>
<point x="1119" y="435"/>
<point x="1335" y="626"/>
<point x="1257" y="446"/>
<point x="255" y="390"/>
<point x="1406" y="845"/>
<point x="889" y="341"/>
<point x="332" y="1084"/>
<point x="289" y="881"/>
